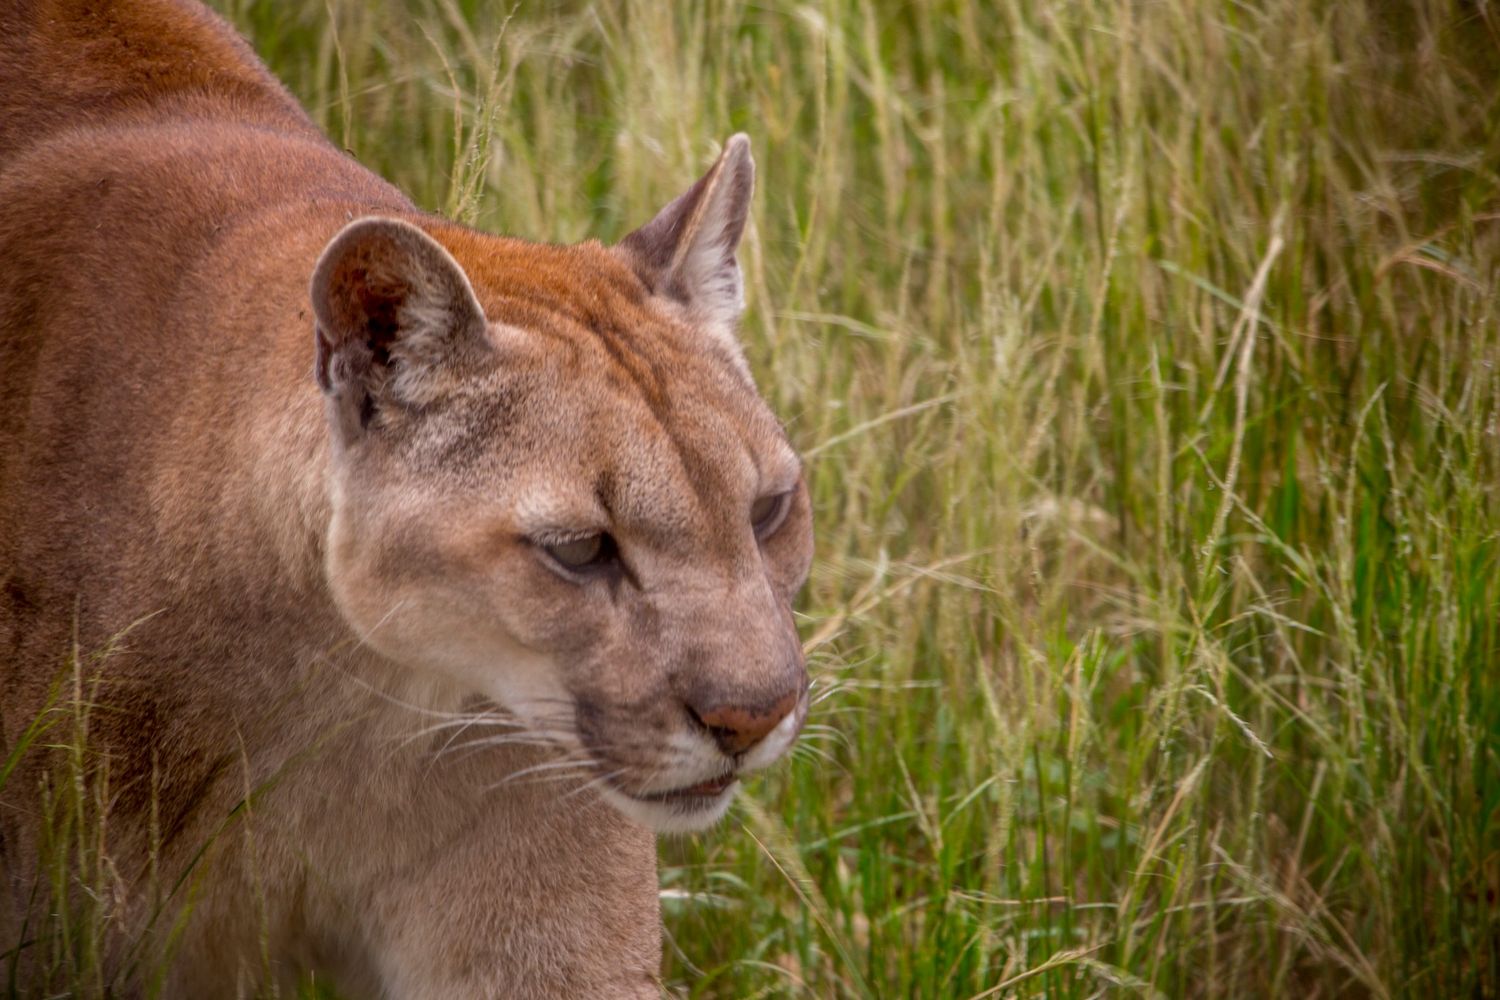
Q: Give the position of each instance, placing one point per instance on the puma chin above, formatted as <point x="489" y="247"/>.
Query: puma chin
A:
<point x="573" y="502"/>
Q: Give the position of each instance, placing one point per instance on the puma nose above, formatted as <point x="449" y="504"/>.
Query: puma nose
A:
<point x="737" y="728"/>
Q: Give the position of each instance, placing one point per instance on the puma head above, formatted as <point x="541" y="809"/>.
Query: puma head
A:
<point x="555" y="486"/>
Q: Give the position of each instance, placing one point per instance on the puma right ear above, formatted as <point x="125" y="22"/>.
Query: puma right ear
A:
<point x="394" y="311"/>
<point x="688" y="251"/>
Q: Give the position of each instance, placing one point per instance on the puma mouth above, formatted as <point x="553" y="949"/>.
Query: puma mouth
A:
<point x="676" y="810"/>
<point x="706" y="791"/>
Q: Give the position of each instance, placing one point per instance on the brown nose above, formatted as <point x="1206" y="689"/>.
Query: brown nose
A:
<point x="737" y="728"/>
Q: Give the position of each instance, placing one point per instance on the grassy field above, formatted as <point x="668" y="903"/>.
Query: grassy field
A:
<point x="1145" y="360"/>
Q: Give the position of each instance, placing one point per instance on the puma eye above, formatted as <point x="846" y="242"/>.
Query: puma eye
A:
<point x="766" y="514"/>
<point x="582" y="554"/>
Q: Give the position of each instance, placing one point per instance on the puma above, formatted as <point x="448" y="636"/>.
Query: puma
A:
<point x="438" y="571"/>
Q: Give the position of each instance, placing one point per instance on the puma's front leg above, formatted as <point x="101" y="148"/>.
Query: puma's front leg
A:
<point x="559" y="903"/>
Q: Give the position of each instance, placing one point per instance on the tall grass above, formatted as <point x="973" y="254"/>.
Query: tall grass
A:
<point x="66" y="941"/>
<point x="1144" y="355"/>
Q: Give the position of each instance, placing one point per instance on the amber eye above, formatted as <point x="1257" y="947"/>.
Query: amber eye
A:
<point x="579" y="554"/>
<point x="767" y="512"/>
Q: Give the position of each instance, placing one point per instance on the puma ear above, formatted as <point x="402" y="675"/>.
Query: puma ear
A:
<point x="393" y="310"/>
<point x="687" y="251"/>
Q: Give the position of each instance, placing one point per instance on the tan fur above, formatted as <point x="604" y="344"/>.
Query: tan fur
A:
<point x="351" y="668"/>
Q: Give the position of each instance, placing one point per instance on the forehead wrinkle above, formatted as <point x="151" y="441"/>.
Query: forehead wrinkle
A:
<point x="659" y="431"/>
<point x="722" y="470"/>
<point x="641" y="489"/>
<point x="649" y="363"/>
<point x="539" y="507"/>
<point x="638" y="367"/>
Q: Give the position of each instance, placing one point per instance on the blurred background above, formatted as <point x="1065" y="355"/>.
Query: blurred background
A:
<point x="1144" y="359"/>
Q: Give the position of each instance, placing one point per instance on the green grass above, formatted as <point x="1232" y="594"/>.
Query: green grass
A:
<point x="1144" y="355"/>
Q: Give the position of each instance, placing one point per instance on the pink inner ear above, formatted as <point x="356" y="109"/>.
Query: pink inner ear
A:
<point x="379" y="313"/>
<point x="364" y="296"/>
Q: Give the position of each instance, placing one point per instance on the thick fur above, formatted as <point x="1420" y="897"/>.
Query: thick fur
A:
<point x="293" y="452"/>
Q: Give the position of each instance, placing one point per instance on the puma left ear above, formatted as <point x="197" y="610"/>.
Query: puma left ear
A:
<point x="688" y="251"/>
<point x="396" y="318"/>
